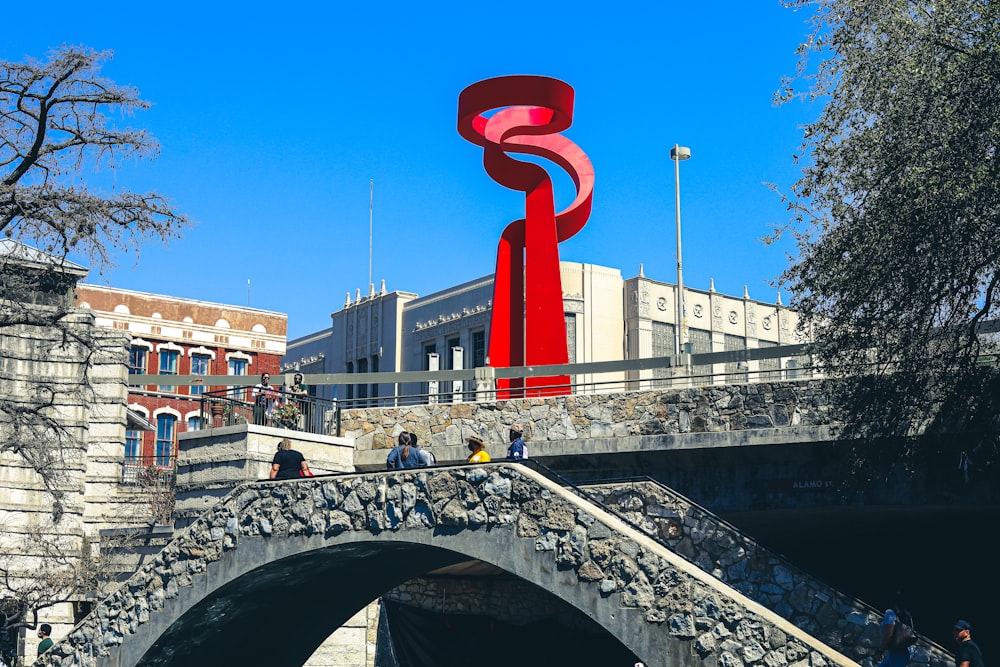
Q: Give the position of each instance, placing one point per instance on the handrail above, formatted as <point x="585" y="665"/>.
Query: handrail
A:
<point x="468" y="374"/>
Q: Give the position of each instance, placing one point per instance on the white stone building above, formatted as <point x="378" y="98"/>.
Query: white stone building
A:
<point x="608" y="318"/>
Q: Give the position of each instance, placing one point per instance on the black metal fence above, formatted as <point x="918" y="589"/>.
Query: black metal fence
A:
<point x="272" y="407"/>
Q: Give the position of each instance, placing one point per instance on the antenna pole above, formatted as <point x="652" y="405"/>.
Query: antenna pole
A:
<point x="371" y="206"/>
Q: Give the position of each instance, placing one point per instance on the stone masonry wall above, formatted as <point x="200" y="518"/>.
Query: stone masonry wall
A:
<point x="692" y="618"/>
<point x="715" y="546"/>
<point x="670" y="411"/>
<point x="513" y="600"/>
<point x="40" y="363"/>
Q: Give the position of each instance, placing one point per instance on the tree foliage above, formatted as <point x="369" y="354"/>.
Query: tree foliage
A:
<point x="897" y="213"/>
<point x="54" y="122"/>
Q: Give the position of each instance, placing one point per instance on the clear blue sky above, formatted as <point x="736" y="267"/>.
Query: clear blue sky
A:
<point x="273" y="117"/>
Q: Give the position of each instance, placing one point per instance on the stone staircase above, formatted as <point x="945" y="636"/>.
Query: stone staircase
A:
<point x="717" y="547"/>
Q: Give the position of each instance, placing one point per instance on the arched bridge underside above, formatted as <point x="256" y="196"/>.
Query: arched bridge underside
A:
<point x="268" y="573"/>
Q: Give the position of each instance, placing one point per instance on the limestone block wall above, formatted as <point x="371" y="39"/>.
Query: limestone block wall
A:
<point x="513" y="600"/>
<point x="353" y="644"/>
<point x="107" y="504"/>
<point x="715" y="546"/>
<point x="43" y="364"/>
<point x="669" y="411"/>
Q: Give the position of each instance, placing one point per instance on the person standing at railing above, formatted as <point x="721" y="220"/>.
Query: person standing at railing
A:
<point x="403" y="455"/>
<point x="299" y="389"/>
<point x="289" y="463"/>
<point x="264" y="396"/>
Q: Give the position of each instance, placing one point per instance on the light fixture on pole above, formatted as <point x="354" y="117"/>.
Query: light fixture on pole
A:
<point x="677" y="154"/>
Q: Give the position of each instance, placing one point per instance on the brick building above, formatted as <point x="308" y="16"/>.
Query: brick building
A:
<point x="175" y="336"/>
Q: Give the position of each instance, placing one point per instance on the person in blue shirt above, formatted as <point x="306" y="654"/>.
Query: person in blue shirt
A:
<point x="518" y="451"/>
<point x="892" y="655"/>
<point x="404" y="455"/>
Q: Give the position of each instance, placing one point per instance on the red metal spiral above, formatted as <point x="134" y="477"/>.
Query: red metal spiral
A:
<point x="528" y="326"/>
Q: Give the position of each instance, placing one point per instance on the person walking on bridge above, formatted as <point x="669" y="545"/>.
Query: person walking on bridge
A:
<point x="289" y="463"/>
<point x="478" y="449"/>
<point x="426" y="456"/>
<point x="518" y="451"/>
<point x="968" y="653"/>
<point x="404" y="455"/>
<point x="897" y="637"/>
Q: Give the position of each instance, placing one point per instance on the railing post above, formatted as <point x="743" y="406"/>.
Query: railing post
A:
<point x="486" y="384"/>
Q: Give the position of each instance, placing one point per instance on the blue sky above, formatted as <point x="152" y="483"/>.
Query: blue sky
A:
<point x="274" y="117"/>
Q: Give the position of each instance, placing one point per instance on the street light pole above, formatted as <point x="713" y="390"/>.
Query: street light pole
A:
<point x="678" y="154"/>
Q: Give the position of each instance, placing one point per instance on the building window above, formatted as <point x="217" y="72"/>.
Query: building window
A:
<point x="770" y="369"/>
<point x="664" y="340"/>
<point x="799" y="367"/>
<point x="570" y="319"/>
<point x="133" y="442"/>
<point x="166" y="427"/>
<point x="374" y="389"/>
<point x="350" y="387"/>
<point x="736" y="371"/>
<point x="701" y="343"/>
<point x="425" y="364"/>
<point x="194" y="424"/>
<point x="138" y="358"/>
<point x="362" y="388"/>
<point x="429" y="349"/>
<point x="452" y="348"/>
<point x="200" y="365"/>
<point x="478" y="349"/>
<point x="168" y="366"/>
<point x="237" y="366"/>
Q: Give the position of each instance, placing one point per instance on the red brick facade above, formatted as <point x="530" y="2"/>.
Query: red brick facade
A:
<point x="174" y="336"/>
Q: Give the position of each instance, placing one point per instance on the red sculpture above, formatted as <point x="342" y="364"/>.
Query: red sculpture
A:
<point x="528" y="326"/>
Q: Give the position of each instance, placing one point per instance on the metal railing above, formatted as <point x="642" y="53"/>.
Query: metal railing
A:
<point x="149" y="471"/>
<point x="238" y="404"/>
<point x="273" y="407"/>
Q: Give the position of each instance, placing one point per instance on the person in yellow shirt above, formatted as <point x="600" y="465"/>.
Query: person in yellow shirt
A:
<point x="479" y="453"/>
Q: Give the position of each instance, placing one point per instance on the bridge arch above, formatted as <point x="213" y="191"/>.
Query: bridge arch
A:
<point x="266" y="574"/>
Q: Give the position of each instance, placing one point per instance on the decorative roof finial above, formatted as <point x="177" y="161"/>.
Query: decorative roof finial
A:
<point x="746" y="292"/>
<point x="711" y="284"/>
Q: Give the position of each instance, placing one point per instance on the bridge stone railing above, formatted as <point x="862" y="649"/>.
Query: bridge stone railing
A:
<point x="715" y="408"/>
<point x="701" y="537"/>
<point x="665" y="609"/>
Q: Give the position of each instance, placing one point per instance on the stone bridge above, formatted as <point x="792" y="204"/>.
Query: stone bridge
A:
<point x="271" y="570"/>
